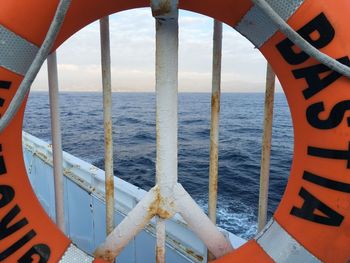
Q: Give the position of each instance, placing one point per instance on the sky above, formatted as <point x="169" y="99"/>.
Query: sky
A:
<point x="133" y="57"/>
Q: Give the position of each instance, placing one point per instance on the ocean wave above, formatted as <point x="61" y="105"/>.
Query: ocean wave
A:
<point x="234" y="216"/>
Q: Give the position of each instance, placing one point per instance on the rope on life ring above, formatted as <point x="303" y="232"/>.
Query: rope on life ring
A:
<point x="312" y="222"/>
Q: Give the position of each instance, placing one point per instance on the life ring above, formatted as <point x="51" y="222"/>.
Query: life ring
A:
<point x="312" y="222"/>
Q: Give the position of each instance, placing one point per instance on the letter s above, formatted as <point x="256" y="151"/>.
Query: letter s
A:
<point x="334" y="119"/>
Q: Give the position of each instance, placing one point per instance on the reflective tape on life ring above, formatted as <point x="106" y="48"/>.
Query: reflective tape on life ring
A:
<point x="289" y="250"/>
<point x="312" y="222"/>
<point x="16" y="53"/>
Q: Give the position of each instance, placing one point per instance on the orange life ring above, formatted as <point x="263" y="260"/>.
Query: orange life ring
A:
<point x="312" y="222"/>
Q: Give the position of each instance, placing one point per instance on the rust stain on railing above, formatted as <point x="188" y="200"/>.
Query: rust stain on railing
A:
<point x="162" y="207"/>
<point x="193" y="254"/>
<point x="159" y="254"/>
<point x="162" y="8"/>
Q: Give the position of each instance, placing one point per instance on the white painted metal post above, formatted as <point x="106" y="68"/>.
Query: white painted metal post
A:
<point x="167" y="44"/>
<point x="107" y="116"/>
<point x="56" y="139"/>
<point x="266" y="147"/>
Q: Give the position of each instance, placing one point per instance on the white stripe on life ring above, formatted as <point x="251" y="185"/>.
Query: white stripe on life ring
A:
<point x="75" y="255"/>
<point x="16" y="53"/>
<point x="282" y="247"/>
<point x="258" y="28"/>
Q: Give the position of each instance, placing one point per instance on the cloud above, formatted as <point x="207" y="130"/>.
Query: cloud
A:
<point x="133" y="56"/>
<point x="68" y="67"/>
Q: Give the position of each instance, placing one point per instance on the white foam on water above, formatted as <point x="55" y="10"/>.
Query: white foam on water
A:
<point x="243" y="224"/>
<point x="234" y="216"/>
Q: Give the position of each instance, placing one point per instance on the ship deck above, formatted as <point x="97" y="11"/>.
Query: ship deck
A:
<point x="84" y="207"/>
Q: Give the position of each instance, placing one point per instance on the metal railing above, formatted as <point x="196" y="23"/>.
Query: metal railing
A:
<point x="215" y="117"/>
<point x="167" y="45"/>
<point x="56" y="139"/>
<point x="266" y="147"/>
<point x="214" y="129"/>
<point x="107" y="121"/>
<point x="168" y="196"/>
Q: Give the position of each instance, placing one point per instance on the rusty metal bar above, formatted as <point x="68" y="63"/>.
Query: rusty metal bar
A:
<point x="214" y="129"/>
<point x="266" y="147"/>
<point x="215" y="115"/>
<point x="107" y="117"/>
<point x="161" y="234"/>
<point x="167" y="44"/>
<point x="56" y="139"/>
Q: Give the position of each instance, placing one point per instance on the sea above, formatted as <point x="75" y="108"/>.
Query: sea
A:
<point x="134" y="132"/>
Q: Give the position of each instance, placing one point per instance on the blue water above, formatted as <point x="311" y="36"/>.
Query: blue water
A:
<point x="135" y="150"/>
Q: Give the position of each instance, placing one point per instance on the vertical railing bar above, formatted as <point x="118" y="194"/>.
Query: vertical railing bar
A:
<point x="161" y="234"/>
<point x="215" y="115"/>
<point x="56" y="139"/>
<point x="266" y="147"/>
<point x="107" y="118"/>
<point x="214" y="129"/>
<point x="167" y="44"/>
